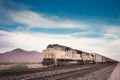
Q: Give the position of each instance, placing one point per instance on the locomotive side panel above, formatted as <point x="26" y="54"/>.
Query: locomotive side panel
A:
<point x="85" y="57"/>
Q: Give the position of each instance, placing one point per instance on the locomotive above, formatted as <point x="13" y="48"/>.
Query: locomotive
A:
<point x="59" y="55"/>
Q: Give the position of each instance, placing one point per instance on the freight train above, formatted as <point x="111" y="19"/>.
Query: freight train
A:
<point x="58" y="55"/>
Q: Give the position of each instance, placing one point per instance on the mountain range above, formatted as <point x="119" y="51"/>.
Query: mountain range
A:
<point x="20" y="55"/>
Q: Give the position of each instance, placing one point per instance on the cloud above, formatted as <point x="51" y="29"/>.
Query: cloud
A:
<point x="39" y="41"/>
<point x="33" y="19"/>
<point x="112" y="33"/>
<point x="7" y="7"/>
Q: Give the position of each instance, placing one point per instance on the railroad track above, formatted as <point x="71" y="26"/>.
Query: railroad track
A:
<point x="33" y="70"/>
<point x="71" y="74"/>
<point x="52" y="73"/>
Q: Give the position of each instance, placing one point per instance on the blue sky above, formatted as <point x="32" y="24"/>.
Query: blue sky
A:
<point x="88" y="25"/>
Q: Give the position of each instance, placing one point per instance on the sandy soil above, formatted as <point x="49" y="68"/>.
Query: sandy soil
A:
<point x="6" y="67"/>
<point x="116" y="73"/>
<point x="34" y="65"/>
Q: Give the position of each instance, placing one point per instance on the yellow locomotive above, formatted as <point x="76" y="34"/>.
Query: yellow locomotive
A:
<point x="58" y="55"/>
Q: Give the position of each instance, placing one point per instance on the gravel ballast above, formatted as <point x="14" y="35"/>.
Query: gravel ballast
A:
<point x="102" y="74"/>
<point x="40" y="74"/>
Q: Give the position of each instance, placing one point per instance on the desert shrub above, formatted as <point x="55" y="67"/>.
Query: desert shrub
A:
<point x="19" y="66"/>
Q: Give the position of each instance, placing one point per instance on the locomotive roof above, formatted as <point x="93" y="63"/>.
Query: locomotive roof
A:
<point x="85" y="53"/>
<point x="78" y="51"/>
<point x="65" y="47"/>
<point x="57" y="45"/>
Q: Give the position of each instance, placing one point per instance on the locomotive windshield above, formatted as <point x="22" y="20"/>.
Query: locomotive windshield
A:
<point x="50" y="46"/>
<point x="56" y="46"/>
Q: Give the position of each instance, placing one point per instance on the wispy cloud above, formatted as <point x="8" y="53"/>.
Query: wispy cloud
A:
<point x="32" y="19"/>
<point x="112" y="33"/>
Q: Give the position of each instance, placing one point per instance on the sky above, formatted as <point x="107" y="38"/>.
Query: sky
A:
<point x="87" y="25"/>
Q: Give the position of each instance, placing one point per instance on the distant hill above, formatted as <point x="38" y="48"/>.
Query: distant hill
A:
<point x="20" y="55"/>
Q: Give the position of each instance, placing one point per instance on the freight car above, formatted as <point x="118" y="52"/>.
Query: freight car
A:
<point x="101" y="59"/>
<point x="98" y="58"/>
<point x="58" y="55"/>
